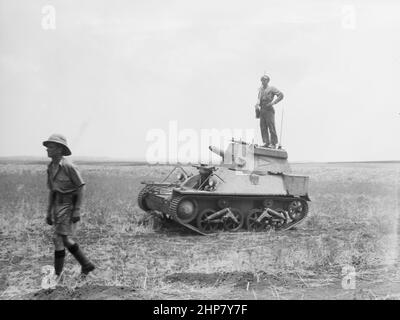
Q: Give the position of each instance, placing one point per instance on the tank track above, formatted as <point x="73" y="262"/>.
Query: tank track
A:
<point x="173" y="208"/>
<point x="176" y="199"/>
<point x="141" y="202"/>
<point x="295" y="223"/>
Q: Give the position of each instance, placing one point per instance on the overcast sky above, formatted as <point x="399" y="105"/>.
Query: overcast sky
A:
<point x="112" y="74"/>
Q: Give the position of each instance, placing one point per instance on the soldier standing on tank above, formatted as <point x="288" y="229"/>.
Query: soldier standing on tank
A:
<point x="266" y="95"/>
<point x="65" y="199"/>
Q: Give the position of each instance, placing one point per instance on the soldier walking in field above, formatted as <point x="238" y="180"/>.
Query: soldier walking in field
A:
<point x="65" y="199"/>
<point x="266" y="112"/>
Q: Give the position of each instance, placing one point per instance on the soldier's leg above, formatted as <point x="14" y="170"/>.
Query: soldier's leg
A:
<point x="271" y="127"/>
<point x="67" y="241"/>
<point x="59" y="254"/>
<point x="264" y="128"/>
<point x="74" y="249"/>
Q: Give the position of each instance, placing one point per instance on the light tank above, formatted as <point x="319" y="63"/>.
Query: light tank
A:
<point x="251" y="189"/>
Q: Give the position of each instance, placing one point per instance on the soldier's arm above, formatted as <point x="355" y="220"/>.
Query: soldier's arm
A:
<point x="77" y="180"/>
<point x="50" y="203"/>
<point x="258" y="99"/>
<point x="79" y="193"/>
<point x="279" y="96"/>
<point x="49" y="219"/>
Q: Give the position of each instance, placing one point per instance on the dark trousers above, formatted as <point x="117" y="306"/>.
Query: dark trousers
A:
<point x="267" y="125"/>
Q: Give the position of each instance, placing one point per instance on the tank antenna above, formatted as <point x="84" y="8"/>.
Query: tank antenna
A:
<point x="280" y="134"/>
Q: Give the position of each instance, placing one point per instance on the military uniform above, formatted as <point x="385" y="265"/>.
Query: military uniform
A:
<point x="63" y="181"/>
<point x="267" y="114"/>
<point x="204" y="174"/>
<point x="201" y="183"/>
<point x="65" y="196"/>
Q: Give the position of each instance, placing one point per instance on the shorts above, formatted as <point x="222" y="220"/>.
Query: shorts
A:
<point x="62" y="215"/>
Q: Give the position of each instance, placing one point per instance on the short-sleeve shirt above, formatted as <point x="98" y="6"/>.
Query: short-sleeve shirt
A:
<point x="267" y="94"/>
<point x="65" y="179"/>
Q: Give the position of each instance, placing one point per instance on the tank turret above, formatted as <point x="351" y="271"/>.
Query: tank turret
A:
<point x="246" y="157"/>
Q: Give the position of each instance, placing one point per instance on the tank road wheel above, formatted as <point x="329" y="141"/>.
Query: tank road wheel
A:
<point x="187" y="210"/>
<point x="297" y="209"/>
<point x="208" y="226"/>
<point x="254" y="225"/>
<point x="141" y="198"/>
<point x="233" y="223"/>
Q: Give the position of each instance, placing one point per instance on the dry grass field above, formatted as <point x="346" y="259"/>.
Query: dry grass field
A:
<point x="353" y="221"/>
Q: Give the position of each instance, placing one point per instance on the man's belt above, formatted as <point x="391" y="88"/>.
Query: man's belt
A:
<point x="264" y="103"/>
<point x="61" y="198"/>
<point x="266" y="106"/>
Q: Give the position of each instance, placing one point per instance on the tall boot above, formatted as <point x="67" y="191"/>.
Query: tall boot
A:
<point x="59" y="256"/>
<point x="87" y="266"/>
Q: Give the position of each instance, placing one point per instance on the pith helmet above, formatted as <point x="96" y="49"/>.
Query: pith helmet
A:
<point x="60" y="139"/>
<point x="264" y="77"/>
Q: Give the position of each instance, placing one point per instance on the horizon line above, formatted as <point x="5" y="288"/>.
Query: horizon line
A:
<point x="142" y="161"/>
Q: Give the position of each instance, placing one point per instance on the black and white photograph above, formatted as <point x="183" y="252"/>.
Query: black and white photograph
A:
<point x="212" y="151"/>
